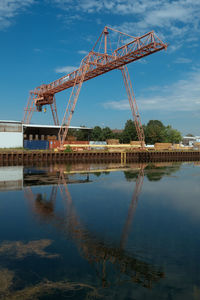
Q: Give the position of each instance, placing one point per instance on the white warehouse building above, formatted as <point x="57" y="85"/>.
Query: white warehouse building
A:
<point x="13" y="133"/>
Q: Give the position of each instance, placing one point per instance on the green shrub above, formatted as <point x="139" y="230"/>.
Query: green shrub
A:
<point x="68" y="149"/>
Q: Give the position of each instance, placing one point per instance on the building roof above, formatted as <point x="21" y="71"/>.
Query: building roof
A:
<point x="41" y="125"/>
<point x="10" y="121"/>
<point x="191" y="137"/>
<point x="53" y="126"/>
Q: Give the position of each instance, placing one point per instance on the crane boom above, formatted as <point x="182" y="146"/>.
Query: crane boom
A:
<point x="96" y="63"/>
<point x="101" y="63"/>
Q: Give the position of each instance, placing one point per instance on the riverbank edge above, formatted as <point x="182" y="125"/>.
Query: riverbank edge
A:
<point x="23" y="157"/>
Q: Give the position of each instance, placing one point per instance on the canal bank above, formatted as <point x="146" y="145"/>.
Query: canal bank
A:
<point x="23" y="157"/>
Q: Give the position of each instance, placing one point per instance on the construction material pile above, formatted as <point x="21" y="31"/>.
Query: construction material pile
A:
<point x="112" y="142"/>
<point x="163" y="146"/>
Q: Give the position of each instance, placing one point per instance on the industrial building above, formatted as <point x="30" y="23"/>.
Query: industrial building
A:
<point x="190" y="140"/>
<point x="13" y="134"/>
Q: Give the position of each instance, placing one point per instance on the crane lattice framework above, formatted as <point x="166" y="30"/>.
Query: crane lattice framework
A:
<point x="101" y="59"/>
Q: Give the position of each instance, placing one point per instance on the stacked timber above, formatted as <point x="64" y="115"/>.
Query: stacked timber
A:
<point x="77" y="145"/>
<point x="135" y="144"/>
<point x="112" y="142"/>
<point x="187" y="148"/>
<point x="196" y="146"/>
<point x="71" y="138"/>
<point x="163" y="146"/>
<point x="177" y="147"/>
<point x="51" y="137"/>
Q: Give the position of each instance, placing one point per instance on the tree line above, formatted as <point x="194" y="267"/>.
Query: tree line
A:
<point x="155" y="132"/>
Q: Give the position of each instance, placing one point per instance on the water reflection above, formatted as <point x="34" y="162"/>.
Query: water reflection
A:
<point x="43" y="288"/>
<point x="113" y="265"/>
<point x="19" y="250"/>
<point x="95" y="251"/>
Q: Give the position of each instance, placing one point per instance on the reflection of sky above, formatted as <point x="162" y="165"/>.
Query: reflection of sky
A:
<point x="164" y="231"/>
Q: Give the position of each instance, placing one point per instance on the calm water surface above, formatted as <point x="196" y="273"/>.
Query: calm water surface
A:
<point x="100" y="232"/>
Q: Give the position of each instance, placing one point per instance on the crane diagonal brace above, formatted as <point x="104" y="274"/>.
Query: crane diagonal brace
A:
<point x="133" y="105"/>
<point x="72" y="101"/>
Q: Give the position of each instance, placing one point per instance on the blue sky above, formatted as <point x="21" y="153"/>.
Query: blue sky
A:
<point x="43" y="40"/>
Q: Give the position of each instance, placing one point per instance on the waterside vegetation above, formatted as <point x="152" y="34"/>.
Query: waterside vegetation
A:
<point x="155" y="132"/>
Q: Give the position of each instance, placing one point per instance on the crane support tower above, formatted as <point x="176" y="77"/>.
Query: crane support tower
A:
<point x="101" y="59"/>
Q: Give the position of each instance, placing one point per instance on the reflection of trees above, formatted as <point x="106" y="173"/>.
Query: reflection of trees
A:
<point x="43" y="288"/>
<point x="19" y="250"/>
<point x="154" y="172"/>
<point x="131" y="175"/>
<point x="97" y="252"/>
<point x="6" y="280"/>
<point x="9" y="290"/>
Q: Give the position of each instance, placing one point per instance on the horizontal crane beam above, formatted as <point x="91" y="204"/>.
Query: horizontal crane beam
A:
<point x="99" y="64"/>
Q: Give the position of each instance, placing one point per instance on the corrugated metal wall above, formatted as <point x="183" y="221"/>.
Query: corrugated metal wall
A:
<point x="11" y="139"/>
<point x="10" y="127"/>
<point x="11" y="135"/>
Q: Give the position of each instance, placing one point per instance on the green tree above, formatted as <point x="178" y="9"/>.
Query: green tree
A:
<point x="107" y="133"/>
<point x="96" y="134"/>
<point x="129" y="132"/>
<point x="155" y="132"/>
<point x="172" y="135"/>
<point x="82" y="135"/>
<point x="71" y="132"/>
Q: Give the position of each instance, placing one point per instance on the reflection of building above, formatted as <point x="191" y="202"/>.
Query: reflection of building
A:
<point x="11" y="178"/>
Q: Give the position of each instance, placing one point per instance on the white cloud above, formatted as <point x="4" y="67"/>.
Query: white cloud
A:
<point x="117" y="105"/>
<point x="37" y="50"/>
<point x="171" y="19"/>
<point x="82" y="52"/>
<point x="183" y="95"/>
<point x="65" y="69"/>
<point x="10" y="8"/>
<point x="183" y="60"/>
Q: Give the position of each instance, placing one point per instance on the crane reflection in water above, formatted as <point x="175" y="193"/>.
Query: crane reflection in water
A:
<point x="96" y="251"/>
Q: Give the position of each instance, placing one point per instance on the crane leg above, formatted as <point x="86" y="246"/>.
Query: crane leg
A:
<point x="72" y="102"/>
<point x="30" y="108"/>
<point x="54" y="111"/>
<point x="132" y="207"/>
<point x="133" y="105"/>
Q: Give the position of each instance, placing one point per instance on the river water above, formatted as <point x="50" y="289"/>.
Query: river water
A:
<point x="100" y="231"/>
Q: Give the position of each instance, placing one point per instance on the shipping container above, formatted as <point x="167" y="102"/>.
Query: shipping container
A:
<point x="36" y="145"/>
<point x="54" y="144"/>
<point x="97" y="143"/>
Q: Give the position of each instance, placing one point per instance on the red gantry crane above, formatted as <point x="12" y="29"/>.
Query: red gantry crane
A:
<point x="101" y="59"/>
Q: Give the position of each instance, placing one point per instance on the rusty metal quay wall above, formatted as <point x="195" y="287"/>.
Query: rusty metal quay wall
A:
<point x="28" y="157"/>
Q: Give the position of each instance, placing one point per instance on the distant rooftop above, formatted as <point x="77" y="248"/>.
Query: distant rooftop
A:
<point x="191" y="137"/>
<point x="53" y="126"/>
<point x="10" y="121"/>
<point x="41" y="125"/>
